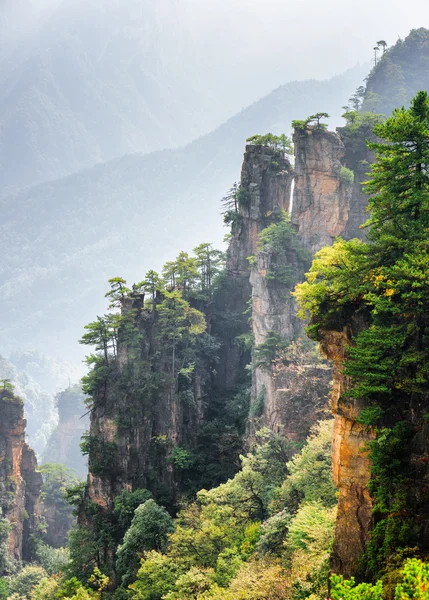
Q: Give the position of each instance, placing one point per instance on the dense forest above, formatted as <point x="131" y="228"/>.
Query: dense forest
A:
<point x="258" y="416"/>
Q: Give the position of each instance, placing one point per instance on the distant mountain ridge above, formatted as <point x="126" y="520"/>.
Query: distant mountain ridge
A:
<point x="86" y="82"/>
<point x="62" y="240"/>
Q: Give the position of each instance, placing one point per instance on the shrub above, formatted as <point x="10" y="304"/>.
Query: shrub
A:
<point x="347" y="176"/>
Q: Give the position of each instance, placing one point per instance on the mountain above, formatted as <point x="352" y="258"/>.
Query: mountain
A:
<point x="401" y="72"/>
<point x="62" y="240"/>
<point x="36" y="379"/>
<point x="84" y="82"/>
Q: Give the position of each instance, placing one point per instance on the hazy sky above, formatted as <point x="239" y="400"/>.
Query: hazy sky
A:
<point x="253" y="46"/>
<point x="303" y="38"/>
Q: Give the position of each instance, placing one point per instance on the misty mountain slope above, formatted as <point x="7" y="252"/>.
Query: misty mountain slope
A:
<point x="61" y="241"/>
<point x="93" y="81"/>
<point x="400" y="73"/>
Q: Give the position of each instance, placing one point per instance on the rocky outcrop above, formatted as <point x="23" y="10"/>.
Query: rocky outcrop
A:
<point x="292" y="391"/>
<point x="351" y="465"/>
<point x="20" y="481"/>
<point x="265" y="191"/>
<point x="322" y="197"/>
<point x="287" y="389"/>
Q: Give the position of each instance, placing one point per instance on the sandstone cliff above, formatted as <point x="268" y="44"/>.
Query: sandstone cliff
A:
<point x="321" y="202"/>
<point x="293" y="390"/>
<point x="351" y="465"/>
<point x="20" y="481"/>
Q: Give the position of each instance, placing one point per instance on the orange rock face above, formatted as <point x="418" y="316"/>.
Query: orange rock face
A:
<point x="351" y="465"/>
<point x="20" y="480"/>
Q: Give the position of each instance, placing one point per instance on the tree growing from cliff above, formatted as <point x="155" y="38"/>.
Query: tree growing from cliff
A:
<point x="209" y="262"/>
<point x="118" y="291"/>
<point x="276" y="142"/>
<point x="385" y="281"/>
<point x="315" y="120"/>
<point x="178" y="322"/>
<point x="6" y="385"/>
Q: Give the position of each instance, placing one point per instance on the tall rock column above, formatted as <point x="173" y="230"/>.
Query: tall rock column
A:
<point x="20" y="481"/>
<point x="321" y="201"/>
<point x="288" y="394"/>
<point x="265" y="191"/>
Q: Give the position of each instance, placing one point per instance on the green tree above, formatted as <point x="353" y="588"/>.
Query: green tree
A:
<point x="316" y="118"/>
<point x="149" y="530"/>
<point x="415" y="581"/>
<point x="209" y="262"/>
<point x="118" y="291"/>
<point x="385" y="281"/>
<point x="24" y="582"/>
<point x="56" y="480"/>
<point x="99" y="334"/>
<point x="152" y="284"/>
<point x="156" y="577"/>
<point x="6" y="385"/>
<point x="6" y="563"/>
<point x="178" y="322"/>
<point x="126" y="503"/>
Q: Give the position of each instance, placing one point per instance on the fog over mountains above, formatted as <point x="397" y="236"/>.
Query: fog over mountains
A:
<point x="99" y="104"/>
<point x="128" y="216"/>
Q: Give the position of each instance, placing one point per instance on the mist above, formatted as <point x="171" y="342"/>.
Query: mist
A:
<point x="238" y="49"/>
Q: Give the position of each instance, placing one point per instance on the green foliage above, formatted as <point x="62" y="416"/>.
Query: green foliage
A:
<point x="178" y="322"/>
<point x="310" y="473"/>
<point x="156" y="577"/>
<point x="6" y="385"/>
<point x="276" y="142"/>
<point x="57" y="478"/>
<point x="126" y="503"/>
<point x="256" y="409"/>
<point x="345" y="589"/>
<point x="370" y="415"/>
<point x="6" y="563"/>
<point x="181" y="458"/>
<point x="311" y="121"/>
<point x="149" y="529"/>
<point x="225" y="545"/>
<point x="383" y="283"/>
<point x="90" y="547"/>
<point x="24" y="582"/>
<point x="52" y="560"/>
<point x="397" y="77"/>
<point x="347" y="176"/>
<point x="4" y="589"/>
<point x="415" y="583"/>
<point x="357" y="131"/>
<point x="280" y="242"/>
<point x="102" y="453"/>
<point x="265" y="354"/>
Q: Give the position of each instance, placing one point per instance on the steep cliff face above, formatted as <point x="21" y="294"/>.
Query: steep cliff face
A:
<point x="289" y="382"/>
<point x="265" y="190"/>
<point x="20" y="481"/>
<point x="130" y="428"/>
<point x="289" y="392"/>
<point x="351" y="465"/>
<point x="321" y="202"/>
